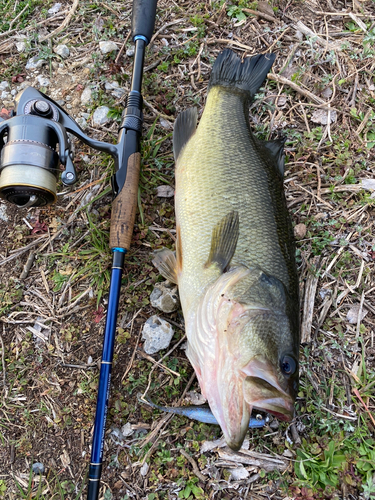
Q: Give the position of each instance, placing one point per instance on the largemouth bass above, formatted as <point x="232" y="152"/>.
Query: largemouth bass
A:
<point x="235" y="255"/>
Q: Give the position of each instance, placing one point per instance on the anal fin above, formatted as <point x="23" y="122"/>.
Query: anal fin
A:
<point x="165" y="262"/>
<point x="275" y="152"/>
<point x="224" y="241"/>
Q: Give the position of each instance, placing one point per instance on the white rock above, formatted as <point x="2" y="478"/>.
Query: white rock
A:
<point x="54" y="9"/>
<point x="165" y="124"/>
<point x="4" y="85"/>
<point x="127" y="429"/>
<point x="20" y="46"/>
<point x="195" y="398"/>
<point x="238" y="473"/>
<point x="3" y="212"/>
<point x="107" y="47"/>
<point x="130" y="52"/>
<point x="35" y="63"/>
<point x="100" y="116"/>
<point x="4" y="94"/>
<point x="86" y="95"/>
<point x="144" y="469"/>
<point x="81" y="122"/>
<point x="43" y="81"/>
<point x="165" y="297"/>
<point x="62" y="50"/>
<point x="117" y="436"/>
<point x="118" y="93"/>
<point x="157" y="334"/>
<point x="111" y="85"/>
<point x="164" y="191"/>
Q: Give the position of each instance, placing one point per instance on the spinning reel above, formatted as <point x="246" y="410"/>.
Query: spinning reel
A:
<point x="37" y="141"/>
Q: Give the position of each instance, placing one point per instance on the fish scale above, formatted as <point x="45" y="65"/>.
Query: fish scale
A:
<point x="215" y="180"/>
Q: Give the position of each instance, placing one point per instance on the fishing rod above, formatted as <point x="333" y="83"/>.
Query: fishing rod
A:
<point x="125" y="188"/>
<point x="36" y="142"/>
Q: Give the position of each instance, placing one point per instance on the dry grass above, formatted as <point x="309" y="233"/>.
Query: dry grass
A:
<point x="53" y="319"/>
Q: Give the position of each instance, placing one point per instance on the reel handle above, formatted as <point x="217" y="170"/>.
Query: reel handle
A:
<point x="124" y="206"/>
<point x="143" y="19"/>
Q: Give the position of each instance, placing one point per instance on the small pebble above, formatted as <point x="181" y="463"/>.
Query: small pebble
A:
<point x="165" y="297"/>
<point x="274" y="424"/>
<point x="111" y="85"/>
<point x="157" y="334"/>
<point x="4" y="85"/>
<point x="62" y="50"/>
<point x="55" y="8"/>
<point x="118" y="93"/>
<point x="86" y="96"/>
<point x="35" y="63"/>
<point x="238" y="473"/>
<point x="127" y="429"/>
<point x="81" y="122"/>
<point x="130" y="52"/>
<point x="43" y="81"/>
<point x="107" y="47"/>
<point x="38" y="468"/>
<point x="100" y="116"/>
<point x="144" y="469"/>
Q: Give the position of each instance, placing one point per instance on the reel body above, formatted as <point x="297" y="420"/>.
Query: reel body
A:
<point x="37" y="142"/>
<point x="29" y="159"/>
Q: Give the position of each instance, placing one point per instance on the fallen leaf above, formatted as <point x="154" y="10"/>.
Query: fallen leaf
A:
<point x="5" y="114"/>
<point x="353" y="313"/>
<point x="321" y="116"/>
<point x="300" y="231"/>
<point x="266" y="8"/>
<point x="65" y="459"/>
<point x="98" y="314"/>
<point x="39" y="227"/>
<point x="165" y="191"/>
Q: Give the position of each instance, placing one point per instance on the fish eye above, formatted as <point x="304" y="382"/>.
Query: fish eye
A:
<point x="288" y="365"/>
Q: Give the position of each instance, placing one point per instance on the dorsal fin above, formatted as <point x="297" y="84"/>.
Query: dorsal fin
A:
<point x="184" y="128"/>
<point x="224" y="241"/>
<point x="165" y="262"/>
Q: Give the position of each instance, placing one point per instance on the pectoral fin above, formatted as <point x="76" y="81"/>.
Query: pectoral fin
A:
<point x="224" y="241"/>
<point x="165" y="262"/>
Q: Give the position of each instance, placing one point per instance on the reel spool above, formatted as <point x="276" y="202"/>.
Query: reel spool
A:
<point x="29" y="161"/>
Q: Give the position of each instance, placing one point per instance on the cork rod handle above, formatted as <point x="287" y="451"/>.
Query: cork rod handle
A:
<point x="124" y="206"/>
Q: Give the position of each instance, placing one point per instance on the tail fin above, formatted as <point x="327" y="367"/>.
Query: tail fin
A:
<point x="230" y="71"/>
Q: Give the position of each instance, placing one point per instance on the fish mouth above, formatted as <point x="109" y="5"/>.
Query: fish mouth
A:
<point x="235" y="431"/>
<point x="262" y="390"/>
